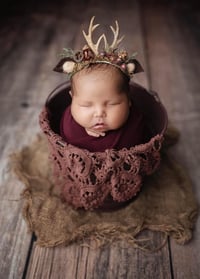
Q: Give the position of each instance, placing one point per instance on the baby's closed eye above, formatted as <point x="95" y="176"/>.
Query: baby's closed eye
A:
<point x="85" y="105"/>
<point x="114" y="103"/>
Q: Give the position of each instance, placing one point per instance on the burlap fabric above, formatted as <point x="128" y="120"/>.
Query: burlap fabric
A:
<point x="156" y="208"/>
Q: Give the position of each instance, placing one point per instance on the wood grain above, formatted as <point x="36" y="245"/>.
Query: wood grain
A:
<point x="175" y="75"/>
<point x="166" y="37"/>
<point x="112" y="261"/>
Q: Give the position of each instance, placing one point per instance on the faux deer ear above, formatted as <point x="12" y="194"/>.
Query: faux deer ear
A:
<point x="130" y="67"/>
<point x="65" y="65"/>
<point x="68" y="67"/>
<point x="134" y="67"/>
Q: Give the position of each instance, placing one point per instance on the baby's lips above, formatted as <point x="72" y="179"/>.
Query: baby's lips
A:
<point x="99" y="125"/>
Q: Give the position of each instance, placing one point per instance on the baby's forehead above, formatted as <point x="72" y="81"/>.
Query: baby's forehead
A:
<point x="95" y="79"/>
<point x="95" y="82"/>
<point x="98" y="70"/>
<point x="100" y="75"/>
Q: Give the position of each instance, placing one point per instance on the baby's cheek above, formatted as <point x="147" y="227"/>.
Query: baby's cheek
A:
<point x="86" y="118"/>
<point x="122" y="117"/>
<point x="115" y="121"/>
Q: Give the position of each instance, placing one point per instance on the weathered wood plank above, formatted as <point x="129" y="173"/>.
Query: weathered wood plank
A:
<point x="15" y="241"/>
<point x="22" y="83"/>
<point x="173" y="42"/>
<point x="112" y="261"/>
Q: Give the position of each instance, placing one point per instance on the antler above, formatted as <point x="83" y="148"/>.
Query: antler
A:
<point x="116" y="41"/>
<point x="108" y="47"/>
<point x="88" y="37"/>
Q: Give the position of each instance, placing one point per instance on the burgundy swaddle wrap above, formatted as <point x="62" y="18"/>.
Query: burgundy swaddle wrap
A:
<point x="130" y="134"/>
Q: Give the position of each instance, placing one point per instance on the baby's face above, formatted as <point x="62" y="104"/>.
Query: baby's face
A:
<point x="97" y="103"/>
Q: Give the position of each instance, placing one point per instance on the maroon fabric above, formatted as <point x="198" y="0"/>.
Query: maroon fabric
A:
<point x="131" y="134"/>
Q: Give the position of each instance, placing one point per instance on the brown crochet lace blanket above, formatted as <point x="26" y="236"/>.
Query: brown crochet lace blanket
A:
<point x="156" y="207"/>
<point x="88" y="179"/>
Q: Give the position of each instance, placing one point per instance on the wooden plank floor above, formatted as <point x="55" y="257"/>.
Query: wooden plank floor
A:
<point x="166" y="35"/>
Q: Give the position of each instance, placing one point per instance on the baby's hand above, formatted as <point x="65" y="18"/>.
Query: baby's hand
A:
<point x="95" y="133"/>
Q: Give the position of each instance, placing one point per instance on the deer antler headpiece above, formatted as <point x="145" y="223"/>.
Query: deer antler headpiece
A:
<point x="73" y="62"/>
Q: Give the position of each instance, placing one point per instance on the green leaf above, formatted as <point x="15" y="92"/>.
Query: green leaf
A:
<point x="67" y="52"/>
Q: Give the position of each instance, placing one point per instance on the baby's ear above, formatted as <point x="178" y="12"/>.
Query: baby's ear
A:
<point x="70" y="93"/>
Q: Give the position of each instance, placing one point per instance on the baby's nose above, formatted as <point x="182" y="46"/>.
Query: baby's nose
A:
<point x="99" y="111"/>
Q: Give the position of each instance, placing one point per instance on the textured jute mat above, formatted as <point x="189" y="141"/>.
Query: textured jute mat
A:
<point x="166" y="203"/>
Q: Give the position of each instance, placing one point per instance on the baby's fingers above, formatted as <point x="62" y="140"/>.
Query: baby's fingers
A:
<point x="95" y="134"/>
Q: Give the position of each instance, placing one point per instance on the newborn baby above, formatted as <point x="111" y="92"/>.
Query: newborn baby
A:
<point x="102" y="114"/>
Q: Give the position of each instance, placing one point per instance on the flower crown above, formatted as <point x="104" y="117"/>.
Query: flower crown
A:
<point x="72" y="62"/>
